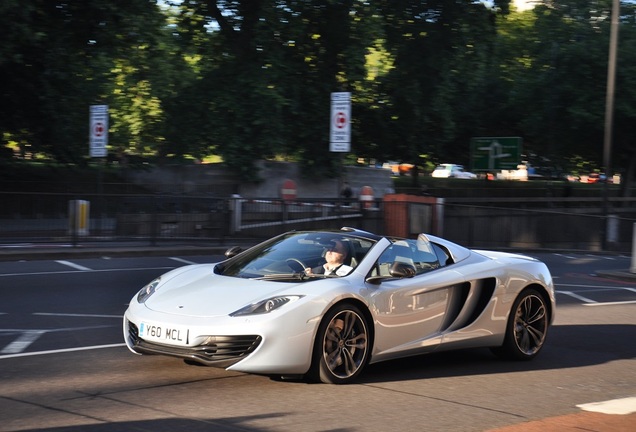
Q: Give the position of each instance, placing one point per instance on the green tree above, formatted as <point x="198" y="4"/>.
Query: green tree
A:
<point x="267" y="70"/>
<point x="57" y="60"/>
<point x="435" y="90"/>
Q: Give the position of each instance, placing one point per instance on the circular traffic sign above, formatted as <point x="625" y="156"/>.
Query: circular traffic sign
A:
<point x="98" y="129"/>
<point x="340" y="120"/>
<point x="288" y="192"/>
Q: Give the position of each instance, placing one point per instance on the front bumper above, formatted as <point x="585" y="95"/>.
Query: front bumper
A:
<point x="217" y="351"/>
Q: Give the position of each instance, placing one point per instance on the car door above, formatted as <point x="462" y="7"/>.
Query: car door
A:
<point x="411" y="312"/>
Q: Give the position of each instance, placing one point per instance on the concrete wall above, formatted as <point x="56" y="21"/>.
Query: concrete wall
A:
<point x="218" y="181"/>
<point x="275" y="173"/>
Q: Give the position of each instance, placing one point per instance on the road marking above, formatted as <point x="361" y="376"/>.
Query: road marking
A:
<point x="26" y="338"/>
<point x="611" y="303"/>
<point x="181" y="260"/>
<point x="73" y="265"/>
<point x="576" y="296"/>
<point x="78" y="315"/>
<point x="565" y="256"/>
<point x="88" y="348"/>
<point x="93" y="271"/>
<point x="616" y="406"/>
<point x="609" y="258"/>
<point x="603" y="287"/>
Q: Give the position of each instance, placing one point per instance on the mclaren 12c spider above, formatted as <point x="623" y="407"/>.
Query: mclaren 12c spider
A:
<point x="263" y="311"/>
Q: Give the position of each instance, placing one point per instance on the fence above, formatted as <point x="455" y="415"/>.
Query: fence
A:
<point x="554" y="223"/>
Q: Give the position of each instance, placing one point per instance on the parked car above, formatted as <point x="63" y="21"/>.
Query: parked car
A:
<point x="452" y="171"/>
<point x="260" y="311"/>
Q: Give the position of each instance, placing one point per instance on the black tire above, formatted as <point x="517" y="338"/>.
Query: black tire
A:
<point x="527" y="327"/>
<point x="342" y="347"/>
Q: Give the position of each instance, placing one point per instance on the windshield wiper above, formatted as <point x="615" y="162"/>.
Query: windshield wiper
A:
<point x="300" y="276"/>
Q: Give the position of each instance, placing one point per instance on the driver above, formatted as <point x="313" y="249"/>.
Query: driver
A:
<point x="335" y="257"/>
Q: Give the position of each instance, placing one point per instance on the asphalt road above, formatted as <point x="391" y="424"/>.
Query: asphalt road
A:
<point x="63" y="365"/>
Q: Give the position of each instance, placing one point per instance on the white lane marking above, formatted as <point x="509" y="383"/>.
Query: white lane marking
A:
<point x="609" y="258"/>
<point x="616" y="406"/>
<point x="73" y="265"/>
<point x="605" y="287"/>
<point x="78" y="315"/>
<point x="611" y="303"/>
<point x="87" y="348"/>
<point x="565" y="256"/>
<point x="26" y="338"/>
<point x="576" y="296"/>
<point x="181" y="260"/>
<point x="93" y="271"/>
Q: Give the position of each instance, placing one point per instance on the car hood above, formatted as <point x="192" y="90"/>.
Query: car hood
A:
<point x="197" y="291"/>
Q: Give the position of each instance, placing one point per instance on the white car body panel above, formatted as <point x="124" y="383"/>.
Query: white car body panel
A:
<point x="466" y="304"/>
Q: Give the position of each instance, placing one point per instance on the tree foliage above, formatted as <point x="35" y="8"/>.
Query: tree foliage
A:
<point x="248" y="80"/>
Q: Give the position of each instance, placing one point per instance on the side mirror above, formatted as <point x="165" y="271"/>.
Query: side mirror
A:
<point x="233" y="251"/>
<point x="402" y="270"/>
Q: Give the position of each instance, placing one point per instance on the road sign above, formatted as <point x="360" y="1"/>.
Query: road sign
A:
<point x="289" y="191"/>
<point x="98" y="133"/>
<point x="495" y="153"/>
<point x="340" y="127"/>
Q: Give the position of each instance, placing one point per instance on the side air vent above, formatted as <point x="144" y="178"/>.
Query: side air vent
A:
<point x="472" y="298"/>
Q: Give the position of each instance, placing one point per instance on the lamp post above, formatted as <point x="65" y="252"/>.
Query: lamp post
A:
<point x="609" y="113"/>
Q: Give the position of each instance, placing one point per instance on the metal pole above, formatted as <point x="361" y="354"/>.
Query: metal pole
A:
<point x="632" y="269"/>
<point x="609" y="111"/>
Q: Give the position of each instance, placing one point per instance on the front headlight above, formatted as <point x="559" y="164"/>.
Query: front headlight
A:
<point x="148" y="290"/>
<point x="266" y="306"/>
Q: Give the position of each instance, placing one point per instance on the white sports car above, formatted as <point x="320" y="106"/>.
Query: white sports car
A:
<point x="263" y="311"/>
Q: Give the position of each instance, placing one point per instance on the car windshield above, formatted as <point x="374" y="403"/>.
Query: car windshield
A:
<point x="287" y="257"/>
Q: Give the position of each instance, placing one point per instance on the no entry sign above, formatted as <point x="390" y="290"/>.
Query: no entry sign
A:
<point x="289" y="191"/>
<point x="340" y="128"/>
<point x="98" y="134"/>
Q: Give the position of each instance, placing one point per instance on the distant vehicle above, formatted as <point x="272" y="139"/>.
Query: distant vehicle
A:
<point x="398" y="169"/>
<point x="452" y="171"/>
<point x="598" y="178"/>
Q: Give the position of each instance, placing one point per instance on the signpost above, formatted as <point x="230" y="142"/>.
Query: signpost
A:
<point x="340" y="128"/>
<point x="98" y="134"/>
<point x="495" y="153"/>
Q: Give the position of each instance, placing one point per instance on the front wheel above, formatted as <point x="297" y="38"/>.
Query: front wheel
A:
<point x="342" y="345"/>
<point x="527" y="327"/>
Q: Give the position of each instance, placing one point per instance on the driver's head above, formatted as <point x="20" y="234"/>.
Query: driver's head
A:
<point x="336" y="252"/>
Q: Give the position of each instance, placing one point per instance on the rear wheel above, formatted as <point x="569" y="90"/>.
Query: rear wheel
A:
<point x="342" y="345"/>
<point x="527" y="327"/>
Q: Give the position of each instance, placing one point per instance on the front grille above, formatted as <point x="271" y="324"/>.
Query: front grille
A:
<point x="217" y="351"/>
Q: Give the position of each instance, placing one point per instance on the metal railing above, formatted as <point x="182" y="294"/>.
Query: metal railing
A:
<point x="484" y="223"/>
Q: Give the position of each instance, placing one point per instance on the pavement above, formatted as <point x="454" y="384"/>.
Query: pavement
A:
<point x="582" y="421"/>
<point x="624" y="275"/>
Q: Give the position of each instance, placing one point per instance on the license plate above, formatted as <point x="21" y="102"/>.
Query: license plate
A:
<point x="164" y="334"/>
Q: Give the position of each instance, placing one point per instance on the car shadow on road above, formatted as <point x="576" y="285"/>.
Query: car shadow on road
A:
<point x="567" y="346"/>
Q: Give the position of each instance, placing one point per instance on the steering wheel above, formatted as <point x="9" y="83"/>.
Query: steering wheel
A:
<point x="296" y="265"/>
